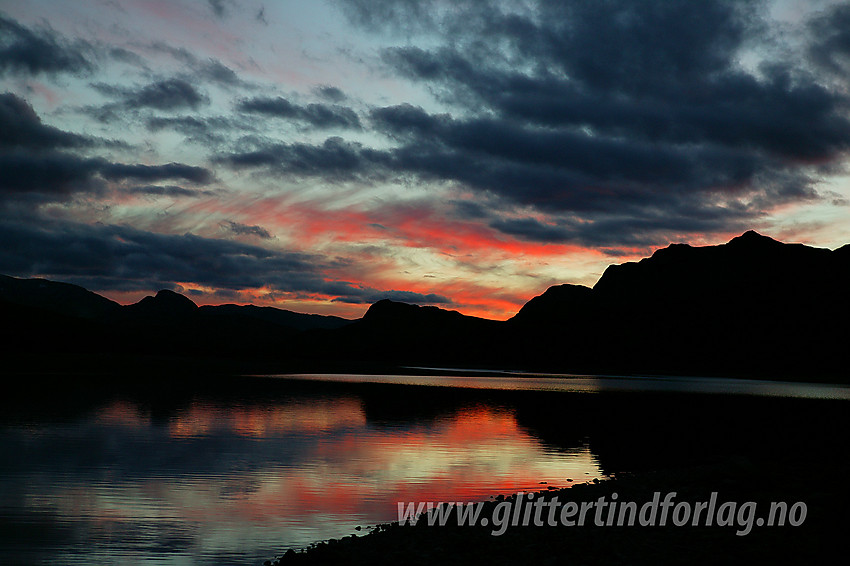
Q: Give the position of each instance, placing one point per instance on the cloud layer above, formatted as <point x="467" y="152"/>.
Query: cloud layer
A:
<point x="37" y="51"/>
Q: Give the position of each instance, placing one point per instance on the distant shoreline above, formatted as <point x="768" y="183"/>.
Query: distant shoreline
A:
<point x="520" y="381"/>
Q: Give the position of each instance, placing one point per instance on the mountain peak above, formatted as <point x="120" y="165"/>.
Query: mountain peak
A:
<point x="752" y="238"/>
<point x="389" y="308"/>
<point x="173" y="298"/>
<point x="167" y="302"/>
<point x="168" y="294"/>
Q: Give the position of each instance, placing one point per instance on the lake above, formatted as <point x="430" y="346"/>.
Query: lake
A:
<point x="235" y="471"/>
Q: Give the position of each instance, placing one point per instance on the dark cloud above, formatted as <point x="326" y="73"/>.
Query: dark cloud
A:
<point x="58" y="173"/>
<point x="532" y="229"/>
<point x="644" y="46"/>
<point x="554" y="171"/>
<point x="188" y="125"/>
<point x="164" y="190"/>
<point x="120" y="257"/>
<point x="38" y="161"/>
<point x="629" y="115"/>
<point x="610" y="232"/>
<point x="46" y="174"/>
<point x="830" y="32"/>
<point x="37" y="51"/>
<point x="561" y="168"/>
<point x="108" y="257"/>
<point x="470" y="210"/>
<point x="334" y="159"/>
<point x="317" y="115"/>
<point x="215" y="71"/>
<point x="200" y="69"/>
<point x="403" y="16"/>
<point x="778" y="114"/>
<point x="126" y="56"/>
<point x="206" y="130"/>
<point x="331" y="93"/>
<point x="137" y="172"/>
<point x="21" y="127"/>
<point x="245" y="230"/>
<point x="170" y="94"/>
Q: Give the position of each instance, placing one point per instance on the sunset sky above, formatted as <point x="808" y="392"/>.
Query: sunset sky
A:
<point x="322" y="155"/>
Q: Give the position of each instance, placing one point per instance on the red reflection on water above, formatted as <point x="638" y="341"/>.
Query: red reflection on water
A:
<point x="340" y="465"/>
<point x="466" y="456"/>
<point x="263" y="421"/>
<point x="124" y="413"/>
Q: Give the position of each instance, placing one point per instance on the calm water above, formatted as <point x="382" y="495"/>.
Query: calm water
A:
<point x="237" y="474"/>
<point x="511" y="381"/>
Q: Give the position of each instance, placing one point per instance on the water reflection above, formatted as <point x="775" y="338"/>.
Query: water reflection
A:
<point x="226" y="472"/>
<point x="516" y="381"/>
<point x="215" y="481"/>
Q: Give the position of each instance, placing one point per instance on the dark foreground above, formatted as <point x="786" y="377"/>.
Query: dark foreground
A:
<point x="819" y="539"/>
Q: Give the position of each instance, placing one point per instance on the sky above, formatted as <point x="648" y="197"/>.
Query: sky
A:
<point x="320" y="156"/>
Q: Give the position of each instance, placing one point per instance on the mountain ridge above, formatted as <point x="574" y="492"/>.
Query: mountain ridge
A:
<point x="752" y="306"/>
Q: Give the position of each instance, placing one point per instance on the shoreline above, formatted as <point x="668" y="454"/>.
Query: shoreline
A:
<point x="739" y="482"/>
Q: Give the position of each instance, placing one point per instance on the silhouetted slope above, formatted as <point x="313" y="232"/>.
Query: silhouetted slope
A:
<point x="558" y="305"/>
<point x="49" y="321"/>
<point x="751" y="306"/>
<point x="742" y="270"/>
<point x="389" y="314"/>
<point x="393" y="332"/>
<point x="165" y="304"/>
<point x="281" y="317"/>
<point x="36" y="333"/>
<point x="61" y="298"/>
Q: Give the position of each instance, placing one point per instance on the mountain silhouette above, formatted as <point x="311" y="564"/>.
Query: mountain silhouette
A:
<point x="165" y="304"/>
<point x="64" y="327"/>
<point x="295" y="320"/>
<point x="388" y="313"/>
<point x="557" y="305"/>
<point x="751" y="307"/>
<point x="401" y="333"/>
<point x="60" y="298"/>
